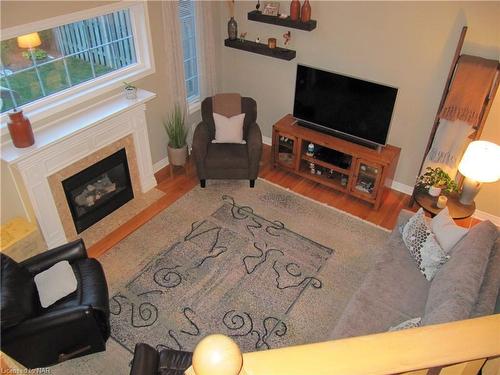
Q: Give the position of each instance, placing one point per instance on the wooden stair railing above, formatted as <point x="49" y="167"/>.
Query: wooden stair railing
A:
<point x="456" y="348"/>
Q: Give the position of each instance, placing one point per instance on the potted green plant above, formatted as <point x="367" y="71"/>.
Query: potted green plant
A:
<point x="177" y="135"/>
<point x="39" y="55"/>
<point x="130" y="91"/>
<point x="436" y="181"/>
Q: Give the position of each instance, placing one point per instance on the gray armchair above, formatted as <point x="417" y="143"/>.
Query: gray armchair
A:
<point x="227" y="160"/>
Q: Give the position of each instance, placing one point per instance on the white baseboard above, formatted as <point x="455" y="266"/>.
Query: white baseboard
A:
<point x="481" y="215"/>
<point x="160" y="164"/>
<point x="403" y="188"/>
<point x="267" y="140"/>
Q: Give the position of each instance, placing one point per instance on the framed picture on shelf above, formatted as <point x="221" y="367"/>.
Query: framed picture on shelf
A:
<point x="271" y="9"/>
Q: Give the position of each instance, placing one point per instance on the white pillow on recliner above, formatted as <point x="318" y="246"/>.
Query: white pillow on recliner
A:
<point x="229" y="129"/>
<point x="55" y="283"/>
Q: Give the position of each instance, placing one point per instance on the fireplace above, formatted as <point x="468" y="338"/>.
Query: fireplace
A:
<point x="98" y="190"/>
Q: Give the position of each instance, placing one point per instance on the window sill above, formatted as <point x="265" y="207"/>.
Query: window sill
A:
<point x="194" y="107"/>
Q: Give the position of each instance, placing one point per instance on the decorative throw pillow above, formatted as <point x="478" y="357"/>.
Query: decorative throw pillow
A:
<point x="55" y="283"/>
<point x="229" y="129"/>
<point x="446" y="231"/>
<point x="423" y="246"/>
<point x="410" y="323"/>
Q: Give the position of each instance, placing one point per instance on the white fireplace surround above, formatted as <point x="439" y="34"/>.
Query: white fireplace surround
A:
<point x="67" y="141"/>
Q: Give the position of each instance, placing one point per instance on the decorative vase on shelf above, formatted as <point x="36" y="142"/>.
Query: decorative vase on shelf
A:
<point x="232" y="29"/>
<point x="305" y="13"/>
<point x="295" y="10"/>
<point x="20" y="129"/>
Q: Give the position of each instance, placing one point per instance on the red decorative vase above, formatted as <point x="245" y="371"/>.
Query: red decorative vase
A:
<point x="295" y="10"/>
<point x="305" y="14"/>
<point x="20" y="130"/>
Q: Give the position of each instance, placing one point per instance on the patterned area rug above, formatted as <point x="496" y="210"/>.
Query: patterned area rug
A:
<point x="234" y="272"/>
<point x="265" y="265"/>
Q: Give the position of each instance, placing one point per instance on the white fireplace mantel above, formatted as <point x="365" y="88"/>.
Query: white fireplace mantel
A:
<point x="67" y="141"/>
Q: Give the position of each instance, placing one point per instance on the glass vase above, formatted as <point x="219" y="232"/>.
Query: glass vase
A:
<point x="232" y="29"/>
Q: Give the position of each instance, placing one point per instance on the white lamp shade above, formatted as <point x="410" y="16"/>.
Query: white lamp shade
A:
<point x="481" y="162"/>
<point x="29" y="40"/>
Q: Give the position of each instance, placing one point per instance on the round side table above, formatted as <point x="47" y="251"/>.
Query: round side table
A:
<point x="457" y="209"/>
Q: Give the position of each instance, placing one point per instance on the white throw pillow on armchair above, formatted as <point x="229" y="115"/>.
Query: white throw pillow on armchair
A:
<point x="229" y="129"/>
<point x="55" y="283"/>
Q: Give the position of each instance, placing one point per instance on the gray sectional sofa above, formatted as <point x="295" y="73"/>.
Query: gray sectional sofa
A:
<point x="395" y="290"/>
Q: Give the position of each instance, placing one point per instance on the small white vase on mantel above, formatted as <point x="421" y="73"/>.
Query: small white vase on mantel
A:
<point x="130" y="93"/>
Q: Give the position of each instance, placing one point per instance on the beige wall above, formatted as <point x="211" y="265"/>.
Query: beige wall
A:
<point x="407" y="45"/>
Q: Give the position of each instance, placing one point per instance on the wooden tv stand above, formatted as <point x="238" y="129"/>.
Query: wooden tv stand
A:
<point x="342" y="165"/>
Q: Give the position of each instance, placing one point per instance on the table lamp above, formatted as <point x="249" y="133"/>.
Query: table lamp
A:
<point x="480" y="163"/>
<point x="29" y="40"/>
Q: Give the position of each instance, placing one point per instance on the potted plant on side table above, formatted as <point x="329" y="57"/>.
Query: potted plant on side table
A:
<point x="177" y="134"/>
<point x="436" y="181"/>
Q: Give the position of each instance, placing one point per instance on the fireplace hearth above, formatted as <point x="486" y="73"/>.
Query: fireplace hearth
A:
<point x="98" y="190"/>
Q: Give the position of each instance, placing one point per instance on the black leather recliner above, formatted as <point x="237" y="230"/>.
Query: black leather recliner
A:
<point x="76" y="325"/>
<point x="148" y="361"/>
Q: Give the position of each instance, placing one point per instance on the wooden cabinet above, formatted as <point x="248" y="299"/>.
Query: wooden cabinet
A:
<point x="366" y="179"/>
<point x="285" y="153"/>
<point x="342" y="165"/>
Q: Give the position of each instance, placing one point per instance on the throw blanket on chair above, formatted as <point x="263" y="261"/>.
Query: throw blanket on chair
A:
<point x="448" y="146"/>
<point x="471" y="84"/>
<point x="228" y="105"/>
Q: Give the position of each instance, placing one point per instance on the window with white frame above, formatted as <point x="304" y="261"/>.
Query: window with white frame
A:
<point x="187" y="18"/>
<point x="67" y="60"/>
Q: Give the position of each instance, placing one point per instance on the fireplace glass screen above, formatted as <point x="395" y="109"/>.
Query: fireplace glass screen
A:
<point x="98" y="190"/>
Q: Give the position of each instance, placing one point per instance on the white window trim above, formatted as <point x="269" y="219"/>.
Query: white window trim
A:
<point x="72" y="96"/>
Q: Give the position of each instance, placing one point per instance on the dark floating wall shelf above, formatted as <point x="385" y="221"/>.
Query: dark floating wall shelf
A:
<point x="255" y="15"/>
<point x="261" y="48"/>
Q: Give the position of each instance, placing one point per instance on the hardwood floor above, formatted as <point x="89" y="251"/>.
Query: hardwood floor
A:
<point x="182" y="180"/>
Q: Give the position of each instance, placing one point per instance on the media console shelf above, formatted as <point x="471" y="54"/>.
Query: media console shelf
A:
<point x="342" y="165"/>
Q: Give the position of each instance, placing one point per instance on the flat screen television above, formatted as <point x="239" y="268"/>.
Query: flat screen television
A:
<point x="343" y="105"/>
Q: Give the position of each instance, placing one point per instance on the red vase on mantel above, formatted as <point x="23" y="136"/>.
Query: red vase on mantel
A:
<point x="20" y="130"/>
<point x="305" y="14"/>
<point x="295" y="10"/>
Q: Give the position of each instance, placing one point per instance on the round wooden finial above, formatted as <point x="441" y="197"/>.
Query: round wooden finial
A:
<point x="217" y="355"/>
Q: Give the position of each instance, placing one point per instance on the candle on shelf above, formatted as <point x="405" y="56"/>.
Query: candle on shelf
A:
<point x="441" y="202"/>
